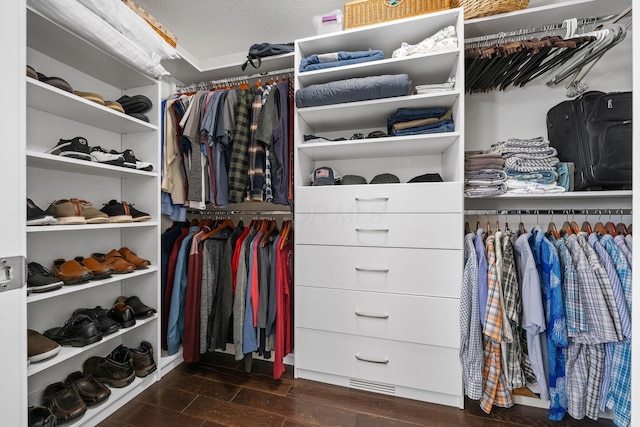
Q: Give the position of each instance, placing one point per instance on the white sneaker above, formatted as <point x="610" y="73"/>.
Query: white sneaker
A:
<point x="100" y="155"/>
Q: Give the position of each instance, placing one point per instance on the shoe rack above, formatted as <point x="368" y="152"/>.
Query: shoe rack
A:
<point x="54" y="114"/>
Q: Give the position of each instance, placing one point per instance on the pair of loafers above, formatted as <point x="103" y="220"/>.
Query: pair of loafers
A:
<point x="53" y="81"/>
<point x="69" y="400"/>
<point x="80" y="270"/>
<point x="122" y="261"/>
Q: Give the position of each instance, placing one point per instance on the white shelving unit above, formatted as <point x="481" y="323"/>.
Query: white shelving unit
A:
<point x="521" y="113"/>
<point x="53" y="114"/>
<point x="356" y="310"/>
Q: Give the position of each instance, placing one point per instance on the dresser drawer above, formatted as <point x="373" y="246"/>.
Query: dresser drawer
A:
<point x="436" y="231"/>
<point x="390" y="362"/>
<point x="429" y="272"/>
<point x="416" y="319"/>
<point x="381" y="198"/>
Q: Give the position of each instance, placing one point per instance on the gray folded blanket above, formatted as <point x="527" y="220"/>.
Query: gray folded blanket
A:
<point x="352" y="90"/>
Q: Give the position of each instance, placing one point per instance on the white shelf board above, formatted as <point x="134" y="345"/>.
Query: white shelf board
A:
<point x="428" y="68"/>
<point x="414" y="145"/>
<point x="105" y="226"/>
<point x="44" y="35"/>
<point x="187" y="72"/>
<point x="45" y="97"/>
<point x="42" y="160"/>
<point x="65" y="290"/>
<point x="548" y="14"/>
<point x="568" y="195"/>
<point x="67" y="352"/>
<point x="383" y="36"/>
<point x="371" y="113"/>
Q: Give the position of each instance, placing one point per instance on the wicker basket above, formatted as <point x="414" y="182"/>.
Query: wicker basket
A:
<point x="367" y="12"/>
<point x="480" y="8"/>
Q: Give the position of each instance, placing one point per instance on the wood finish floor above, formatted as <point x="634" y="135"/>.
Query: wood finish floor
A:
<point x="217" y="392"/>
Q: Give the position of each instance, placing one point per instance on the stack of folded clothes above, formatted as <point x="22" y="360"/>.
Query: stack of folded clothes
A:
<point x="416" y="121"/>
<point x="530" y="165"/>
<point x="338" y="59"/>
<point x="483" y="174"/>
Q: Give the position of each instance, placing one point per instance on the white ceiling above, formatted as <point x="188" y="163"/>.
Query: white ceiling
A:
<point x="209" y="29"/>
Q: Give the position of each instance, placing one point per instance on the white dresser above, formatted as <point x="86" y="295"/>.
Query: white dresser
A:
<point x="379" y="266"/>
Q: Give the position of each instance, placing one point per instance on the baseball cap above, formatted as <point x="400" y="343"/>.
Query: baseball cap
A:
<point x="385" y="178"/>
<point x="353" y="180"/>
<point x="427" y="177"/>
<point x="325" y="176"/>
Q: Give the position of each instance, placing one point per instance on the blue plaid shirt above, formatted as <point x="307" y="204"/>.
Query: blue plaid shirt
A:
<point x="619" y="395"/>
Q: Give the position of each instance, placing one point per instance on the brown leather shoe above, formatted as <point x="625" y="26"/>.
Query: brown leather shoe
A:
<point x="71" y="272"/>
<point x="123" y="314"/>
<point x="134" y="259"/>
<point x="99" y="270"/>
<point x="65" y="402"/>
<point x="115" y="260"/>
<point x="90" y="390"/>
<point x="40" y="347"/>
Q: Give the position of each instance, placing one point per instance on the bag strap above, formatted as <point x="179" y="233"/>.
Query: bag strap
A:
<point x="250" y="61"/>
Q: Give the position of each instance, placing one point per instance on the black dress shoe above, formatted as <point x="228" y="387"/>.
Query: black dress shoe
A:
<point x="65" y="402"/>
<point x="123" y="314"/>
<point x="143" y="363"/>
<point x="115" y="370"/>
<point x="139" y="308"/>
<point x="106" y="324"/>
<point x="90" y="390"/>
<point x="41" y="416"/>
<point x="78" y="331"/>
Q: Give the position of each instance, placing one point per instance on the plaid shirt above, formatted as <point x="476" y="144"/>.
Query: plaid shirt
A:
<point x="495" y="390"/>
<point x="548" y="263"/>
<point x="605" y="284"/>
<point x="470" y="333"/>
<point x="268" y="188"/>
<point x="601" y="327"/>
<point x="574" y="310"/>
<point x="585" y="367"/>
<point x="256" y="152"/>
<point x="512" y="307"/>
<point x="619" y="396"/>
<point x="239" y="164"/>
<point x="622" y="244"/>
<point x="621" y="305"/>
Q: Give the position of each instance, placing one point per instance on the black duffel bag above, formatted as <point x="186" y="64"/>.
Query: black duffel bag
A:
<point x="594" y="131"/>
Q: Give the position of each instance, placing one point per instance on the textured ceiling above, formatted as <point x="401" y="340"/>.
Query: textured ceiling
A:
<point x="208" y="29"/>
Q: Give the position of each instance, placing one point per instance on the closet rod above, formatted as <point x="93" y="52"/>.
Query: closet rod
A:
<point x="573" y="211"/>
<point x="534" y="30"/>
<point x="236" y="212"/>
<point x="204" y="85"/>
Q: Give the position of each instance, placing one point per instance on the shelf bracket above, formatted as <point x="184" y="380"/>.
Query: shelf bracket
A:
<point x="12" y="272"/>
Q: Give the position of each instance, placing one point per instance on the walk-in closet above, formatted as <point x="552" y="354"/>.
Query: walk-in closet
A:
<point x="381" y="209"/>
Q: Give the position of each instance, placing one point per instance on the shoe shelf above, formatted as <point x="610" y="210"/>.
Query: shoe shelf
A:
<point x="106" y="226"/>
<point x="369" y="114"/>
<point x="45" y="35"/>
<point x="45" y="97"/>
<point x="397" y="146"/>
<point x="118" y="398"/>
<point x="68" y="289"/>
<point x="42" y="160"/>
<point x="67" y="352"/>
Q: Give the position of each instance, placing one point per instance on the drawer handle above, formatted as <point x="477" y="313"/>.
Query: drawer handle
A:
<point x="372" y="315"/>
<point x="371" y="199"/>
<point x="366" y="359"/>
<point x="373" y="270"/>
<point x="372" y="230"/>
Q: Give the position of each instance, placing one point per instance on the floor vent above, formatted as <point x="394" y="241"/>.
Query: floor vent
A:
<point x="372" y="386"/>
